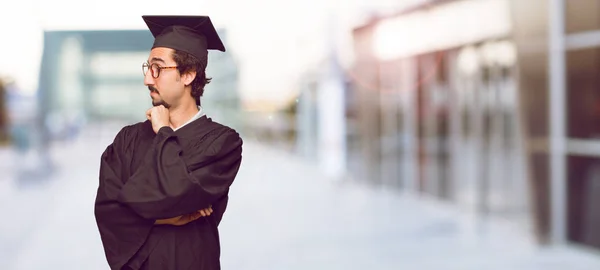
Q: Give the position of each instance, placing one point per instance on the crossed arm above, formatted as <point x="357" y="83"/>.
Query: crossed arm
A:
<point x="170" y="190"/>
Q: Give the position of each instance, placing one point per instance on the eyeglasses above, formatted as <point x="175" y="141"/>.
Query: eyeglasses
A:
<point x="154" y="68"/>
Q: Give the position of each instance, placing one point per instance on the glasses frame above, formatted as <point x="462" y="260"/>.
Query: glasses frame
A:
<point x="150" y="67"/>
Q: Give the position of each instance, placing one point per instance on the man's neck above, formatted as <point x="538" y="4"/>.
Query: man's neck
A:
<point x="180" y="115"/>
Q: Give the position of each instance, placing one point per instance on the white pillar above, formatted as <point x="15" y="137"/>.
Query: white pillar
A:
<point x="332" y="124"/>
<point x="557" y="120"/>
<point x="331" y="106"/>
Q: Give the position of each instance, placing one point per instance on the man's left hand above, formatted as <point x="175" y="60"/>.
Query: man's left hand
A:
<point x="159" y="116"/>
<point x="185" y="219"/>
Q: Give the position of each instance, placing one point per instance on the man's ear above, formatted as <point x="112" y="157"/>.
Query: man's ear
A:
<point x="188" y="77"/>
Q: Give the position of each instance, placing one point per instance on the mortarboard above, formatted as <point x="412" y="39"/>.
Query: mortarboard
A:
<point x="192" y="34"/>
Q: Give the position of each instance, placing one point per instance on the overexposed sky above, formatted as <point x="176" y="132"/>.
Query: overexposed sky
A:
<point x="274" y="40"/>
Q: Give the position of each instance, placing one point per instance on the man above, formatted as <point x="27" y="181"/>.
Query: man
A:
<point x="164" y="182"/>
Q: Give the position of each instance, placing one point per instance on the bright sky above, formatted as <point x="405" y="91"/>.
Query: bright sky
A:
<point x="273" y="39"/>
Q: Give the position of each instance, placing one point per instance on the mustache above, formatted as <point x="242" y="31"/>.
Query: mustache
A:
<point x="162" y="102"/>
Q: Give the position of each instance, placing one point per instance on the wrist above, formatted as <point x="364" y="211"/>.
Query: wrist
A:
<point x="160" y="222"/>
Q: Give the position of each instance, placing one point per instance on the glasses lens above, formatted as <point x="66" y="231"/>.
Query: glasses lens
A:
<point x="145" y="68"/>
<point x="155" y="70"/>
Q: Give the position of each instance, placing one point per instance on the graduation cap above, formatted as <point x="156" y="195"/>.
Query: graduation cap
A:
<point x="192" y="34"/>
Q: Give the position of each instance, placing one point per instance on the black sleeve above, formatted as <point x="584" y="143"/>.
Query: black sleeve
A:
<point x="167" y="185"/>
<point x="121" y="230"/>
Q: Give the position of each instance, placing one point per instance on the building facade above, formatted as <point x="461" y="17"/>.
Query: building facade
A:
<point x="221" y="96"/>
<point x="97" y="76"/>
<point x="490" y="105"/>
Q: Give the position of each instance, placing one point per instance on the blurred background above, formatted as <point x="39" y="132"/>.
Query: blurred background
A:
<point x="391" y="134"/>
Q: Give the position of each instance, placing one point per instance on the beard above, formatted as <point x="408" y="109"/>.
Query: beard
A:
<point x="159" y="101"/>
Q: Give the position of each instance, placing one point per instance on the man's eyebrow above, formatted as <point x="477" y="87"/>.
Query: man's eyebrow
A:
<point x="156" y="59"/>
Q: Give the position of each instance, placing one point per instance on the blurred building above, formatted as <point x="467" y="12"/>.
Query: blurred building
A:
<point x="19" y="115"/>
<point x="221" y="97"/>
<point x="97" y="76"/>
<point x="93" y="75"/>
<point x="461" y="100"/>
<point x="324" y="117"/>
<point x="4" y="119"/>
<point x="439" y="110"/>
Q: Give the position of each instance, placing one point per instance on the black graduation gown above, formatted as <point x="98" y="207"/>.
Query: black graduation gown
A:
<point x="146" y="176"/>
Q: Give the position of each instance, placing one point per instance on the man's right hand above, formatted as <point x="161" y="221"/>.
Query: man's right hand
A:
<point x="185" y="219"/>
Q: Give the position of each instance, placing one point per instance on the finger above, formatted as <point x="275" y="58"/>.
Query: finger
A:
<point x="206" y="212"/>
<point x="203" y="213"/>
<point x="190" y="218"/>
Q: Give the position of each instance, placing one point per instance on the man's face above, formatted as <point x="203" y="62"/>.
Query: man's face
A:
<point x="168" y="88"/>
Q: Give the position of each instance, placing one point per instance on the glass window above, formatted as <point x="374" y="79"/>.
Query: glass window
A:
<point x="390" y="123"/>
<point x="583" y="97"/>
<point x="122" y="64"/>
<point x="119" y="100"/>
<point x="583" y="200"/>
<point x="433" y="124"/>
<point x="582" y="15"/>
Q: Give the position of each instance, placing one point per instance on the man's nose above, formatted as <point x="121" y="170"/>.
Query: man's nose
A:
<point x="148" y="79"/>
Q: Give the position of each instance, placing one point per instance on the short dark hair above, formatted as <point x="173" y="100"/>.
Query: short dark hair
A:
<point x="189" y="63"/>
